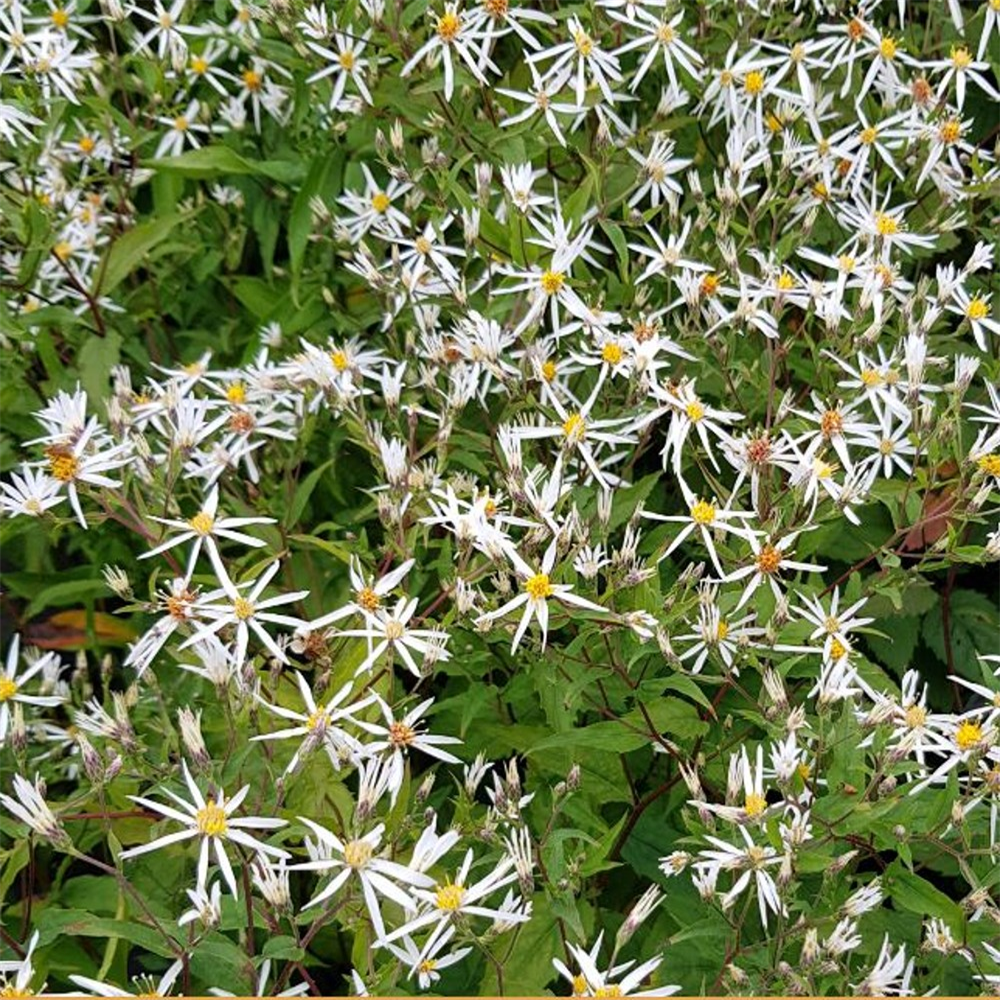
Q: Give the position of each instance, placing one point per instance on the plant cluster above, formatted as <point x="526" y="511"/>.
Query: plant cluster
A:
<point x="499" y="497"/>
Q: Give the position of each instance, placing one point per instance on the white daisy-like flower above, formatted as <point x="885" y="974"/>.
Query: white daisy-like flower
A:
<point x="209" y="818"/>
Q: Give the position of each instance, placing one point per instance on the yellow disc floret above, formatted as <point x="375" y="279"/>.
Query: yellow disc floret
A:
<point x="538" y="587"/>
<point x="702" y="512"/>
<point x="211" y="819"/>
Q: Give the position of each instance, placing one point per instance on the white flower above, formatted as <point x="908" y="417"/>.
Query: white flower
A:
<point x="398" y="736"/>
<point x="450" y="899"/>
<point x="319" y="726"/>
<point x="426" y="963"/>
<point x="538" y="588"/>
<point x="890" y="976"/>
<point x="12" y="685"/>
<point x="22" y="971"/>
<point x="204" y="528"/>
<point x="30" y="808"/>
<point x="752" y="860"/>
<point x="358" y="858"/>
<point x="211" y="820"/>
<point x="390" y="632"/>
<point x="144" y="985"/>
<point x="206" y="905"/>
<point x="244" y="612"/>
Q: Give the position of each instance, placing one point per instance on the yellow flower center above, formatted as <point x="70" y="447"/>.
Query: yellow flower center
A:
<point x="199" y="66"/>
<point x="211" y="819"/>
<point x="243" y="609"/>
<point x="886" y="446"/>
<point x="8" y="688"/>
<point x="176" y="607"/>
<point x="612" y="353"/>
<point x="357" y="853"/>
<point x="978" y="308"/>
<point x="584" y="43"/>
<point x="753" y="83"/>
<point x="990" y="464"/>
<point x="709" y="285"/>
<point x="202" y="523"/>
<point x="394" y="630"/>
<point x="722" y="631"/>
<point x="804" y="771"/>
<point x="887" y="48"/>
<point x="968" y="735"/>
<point x="236" y="393"/>
<point x="368" y="599"/>
<point x="837" y="650"/>
<point x="821" y="191"/>
<point x="181" y="124"/>
<point x="868" y="135"/>
<point x="574" y="427"/>
<point x="538" y="586"/>
<point x="423" y="245"/>
<point x="448" y="27"/>
<point x="549" y="371"/>
<point x="612" y="990"/>
<point x="401" y="735"/>
<point x="769" y="560"/>
<point x="665" y="34"/>
<point x="886" y="225"/>
<point x="381" y="202"/>
<point x="950" y="131"/>
<point x="496" y="8"/>
<point x="317" y="719"/>
<point x="59" y="18"/>
<point x="63" y="464"/>
<point x="10" y="990"/>
<point x="855" y="29"/>
<point x="449" y="896"/>
<point x="695" y="411"/>
<point x="703" y="512"/>
<point x="870" y="377"/>
<point x="346" y="60"/>
<point x="552" y="281"/>
<point x="786" y="281"/>
<point x="961" y="58"/>
<point x="579" y="985"/>
<point x="754" y="805"/>
<point x="252" y="79"/>
<point x="87" y="145"/>
<point x="63" y="250"/>
<point x="340" y="360"/>
<point x="427" y="966"/>
<point x="916" y="716"/>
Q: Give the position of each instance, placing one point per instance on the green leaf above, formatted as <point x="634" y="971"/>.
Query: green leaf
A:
<point x="673" y="717"/>
<point x="617" y="238"/>
<point x="917" y="895"/>
<point x="96" y="359"/>
<point x="611" y="736"/>
<point x="207" y="162"/>
<point x="126" y="254"/>
<point x="53" y="923"/>
<point x="303" y="493"/>
<point x="973" y="624"/>
<point x="896" y="651"/>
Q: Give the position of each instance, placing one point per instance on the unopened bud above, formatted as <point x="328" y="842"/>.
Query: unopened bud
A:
<point x="424" y="791"/>
<point x="190" y="723"/>
<point x="93" y="765"/>
<point x="573" y="778"/>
